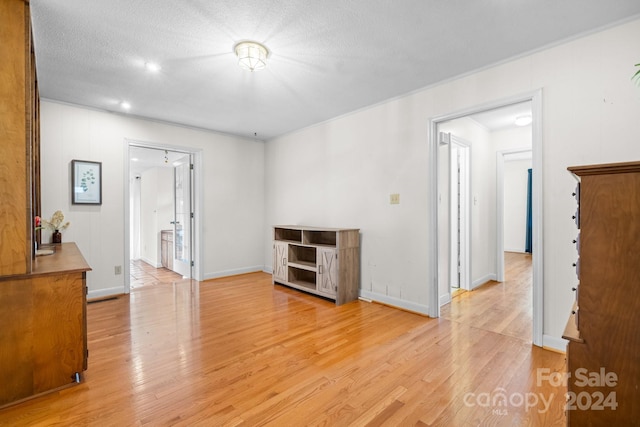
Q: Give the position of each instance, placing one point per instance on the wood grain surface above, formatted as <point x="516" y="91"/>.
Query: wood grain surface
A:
<point x="15" y="142"/>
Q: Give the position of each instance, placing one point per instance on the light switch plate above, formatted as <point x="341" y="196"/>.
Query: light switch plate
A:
<point x="394" y="199"/>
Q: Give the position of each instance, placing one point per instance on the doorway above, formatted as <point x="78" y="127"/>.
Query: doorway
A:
<point x="512" y="170"/>
<point x="440" y="261"/>
<point x="162" y="209"/>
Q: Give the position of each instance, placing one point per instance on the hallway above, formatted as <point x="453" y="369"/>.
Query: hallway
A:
<point x="504" y="308"/>
<point x="143" y="274"/>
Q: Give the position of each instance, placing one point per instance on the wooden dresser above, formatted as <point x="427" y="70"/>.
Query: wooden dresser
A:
<point x="603" y="353"/>
<point x="43" y="325"/>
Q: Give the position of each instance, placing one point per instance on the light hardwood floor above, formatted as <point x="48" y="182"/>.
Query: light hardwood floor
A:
<point x="239" y="351"/>
<point x="502" y="307"/>
<point x="143" y="274"/>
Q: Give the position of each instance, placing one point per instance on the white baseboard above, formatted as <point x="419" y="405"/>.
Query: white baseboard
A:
<point x="100" y="293"/>
<point x="395" y="302"/>
<point x="559" y="344"/>
<point x="151" y="263"/>
<point x="267" y="269"/>
<point x="483" y="280"/>
<point x="444" y="299"/>
<point x="518" y="251"/>
<point x="233" y="272"/>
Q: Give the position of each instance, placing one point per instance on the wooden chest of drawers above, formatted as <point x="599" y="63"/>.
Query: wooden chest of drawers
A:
<point x="603" y="354"/>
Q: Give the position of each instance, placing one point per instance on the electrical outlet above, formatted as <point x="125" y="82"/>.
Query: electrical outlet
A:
<point x="117" y="269"/>
<point x="394" y="199"/>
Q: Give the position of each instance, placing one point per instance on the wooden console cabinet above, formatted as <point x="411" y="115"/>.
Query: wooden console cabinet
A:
<point x="166" y="249"/>
<point x="603" y="353"/>
<point x="321" y="261"/>
<point x="43" y="325"/>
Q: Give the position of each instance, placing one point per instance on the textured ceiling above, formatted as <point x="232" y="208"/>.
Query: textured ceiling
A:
<point x="327" y="57"/>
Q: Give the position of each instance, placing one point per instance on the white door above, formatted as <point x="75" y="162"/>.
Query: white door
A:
<point x="454" y="212"/>
<point x="460" y="214"/>
<point x="183" y="216"/>
<point x="454" y="215"/>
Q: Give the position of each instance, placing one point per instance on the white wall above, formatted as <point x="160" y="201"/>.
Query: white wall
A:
<point x="148" y="211"/>
<point x="156" y="211"/>
<point x="232" y="169"/>
<point x="134" y="218"/>
<point x="341" y="172"/>
<point x="515" y="204"/>
<point x="165" y="187"/>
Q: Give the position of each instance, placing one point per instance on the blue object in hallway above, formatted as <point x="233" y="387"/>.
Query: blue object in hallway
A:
<point x="527" y="244"/>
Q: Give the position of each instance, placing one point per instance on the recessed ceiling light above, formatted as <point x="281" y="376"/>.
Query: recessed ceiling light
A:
<point x="152" y="67"/>
<point x="523" y="120"/>
<point x="125" y="105"/>
<point x="134" y="159"/>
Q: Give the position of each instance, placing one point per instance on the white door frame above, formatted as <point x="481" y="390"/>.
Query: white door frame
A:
<point x="500" y="155"/>
<point x="538" y="268"/>
<point x="197" y="191"/>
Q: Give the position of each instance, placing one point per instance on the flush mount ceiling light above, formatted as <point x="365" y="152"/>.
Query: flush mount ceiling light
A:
<point x="523" y="120"/>
<point x="152" y="67"/>
<point x="251" y="55"/>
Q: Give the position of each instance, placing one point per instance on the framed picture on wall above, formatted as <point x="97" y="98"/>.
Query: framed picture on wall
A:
<point x="86" y="182"/>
